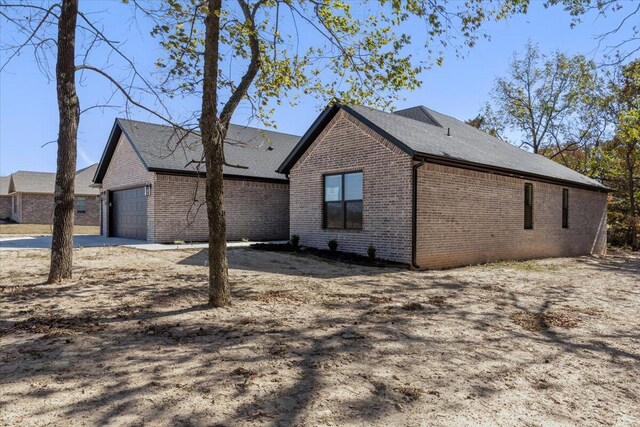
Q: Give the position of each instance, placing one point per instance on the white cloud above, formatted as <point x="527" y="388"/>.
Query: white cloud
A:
<point x="85" y="157"/>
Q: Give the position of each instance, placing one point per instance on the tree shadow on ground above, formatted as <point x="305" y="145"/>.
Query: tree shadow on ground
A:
<point x="291" y="264"/>
<point x="281" y="355"/>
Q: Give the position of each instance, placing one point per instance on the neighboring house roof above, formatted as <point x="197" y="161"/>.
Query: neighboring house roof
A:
<point x="44" y="182"/>
<point x="4" y="185"/>
<point x="428" y="135"/>
<point x="164" y="149"/>
<point x="84" y="180"/>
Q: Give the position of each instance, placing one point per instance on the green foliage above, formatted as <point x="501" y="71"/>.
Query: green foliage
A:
<point x="621" y="155"/>
<point x="295" y="241"/>
<point x="548" y="101"/>
<point x="333" y="245"/>
<point x="355" y="52"/>
<point x="371" y="251"/>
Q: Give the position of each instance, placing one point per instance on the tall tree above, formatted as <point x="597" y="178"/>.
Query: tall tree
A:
<point x="266" y="52"/>
<point x="36" y="23"/>
<point x="546" y="101"/>
<point x="622" y="153"/>
<point x="69" y="112"/>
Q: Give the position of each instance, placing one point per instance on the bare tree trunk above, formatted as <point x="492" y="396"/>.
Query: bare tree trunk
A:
<point x="633" y="238"/>
<point x="213" y="135"/>
<point x="69" y="117"/>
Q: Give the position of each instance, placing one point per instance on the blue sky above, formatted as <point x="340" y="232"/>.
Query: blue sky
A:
<point x="28" y="109"/>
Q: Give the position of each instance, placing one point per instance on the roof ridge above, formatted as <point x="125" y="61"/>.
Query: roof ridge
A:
<point x="25" y="171"/>
<point x="85" y="168"/>
<point x="231" y="124"/>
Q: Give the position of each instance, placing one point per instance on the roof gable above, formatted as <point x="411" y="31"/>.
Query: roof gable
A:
<point x="44" y="182"/>
<point x="419" y="113"/>
<point x="451" y="141"/>
<point x="164" y="149"/>
<point x="5" y="181"/>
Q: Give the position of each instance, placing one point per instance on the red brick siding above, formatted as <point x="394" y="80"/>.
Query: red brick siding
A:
<point x="175" y="206"/>
<point x="347" y="145"/>
<point x="467" y="217"/>
<point x="5" y="207"/>
<point x="254" y="210"/>
<point x="38" y="209"/>
<point x="15" y="209"/>
<point x="126" y="171"/>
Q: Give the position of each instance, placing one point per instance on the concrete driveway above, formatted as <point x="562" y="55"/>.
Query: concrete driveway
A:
<point x="44" y="242"/>
<point x="89" y="241"/>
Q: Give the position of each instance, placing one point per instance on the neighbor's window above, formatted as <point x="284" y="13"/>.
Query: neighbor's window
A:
<point x="81" y="204"/>
<point x="565" y="208"/>
<point x="528" y="206"/>
<point x="343" y="200"/>
<point x="14" y="204"/>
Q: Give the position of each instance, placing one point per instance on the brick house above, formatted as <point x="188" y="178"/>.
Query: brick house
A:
<point x="31" y="197"/>
<point x="431" y="191"/>
<point x="152" y="189"/>
<point x="5" y="198"/>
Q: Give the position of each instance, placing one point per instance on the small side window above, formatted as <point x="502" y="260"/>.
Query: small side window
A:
<point x="565" y="208"/>
<point x="81" y="204"/>
<point x="528" y="206"/>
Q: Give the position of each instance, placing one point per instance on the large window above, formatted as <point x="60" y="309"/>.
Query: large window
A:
<point x="528" y="206"/>
<point x="565" y="208"/>
<point x="343" y="201"/>
<point x="81" y="204"/>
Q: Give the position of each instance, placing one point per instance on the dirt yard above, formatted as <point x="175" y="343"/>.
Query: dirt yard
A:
<point x="42" y="229"/>
<point x="309" y="342"/>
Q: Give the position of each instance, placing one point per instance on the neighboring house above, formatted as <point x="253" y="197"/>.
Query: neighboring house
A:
<point x="32" y="197"/>
<point x="5" y="198"/>
<point x="153" y="190"/>
<point x="431" y="191"/>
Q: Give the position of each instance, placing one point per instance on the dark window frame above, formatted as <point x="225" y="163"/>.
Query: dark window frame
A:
<point x="342" y="200"/>
<point x="84" y="204"/>
<point x="565" y="208"/>
<point x="528" y="206"/>
<point x="14" y="204"/>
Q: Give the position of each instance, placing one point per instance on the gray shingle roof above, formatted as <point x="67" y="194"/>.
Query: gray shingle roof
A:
<point x="261" y="151"/>
<point x="84" y="180"/>
<point x="4" y="185"/>
<point x="466" y="144"/>
<point x="44" y="182"/>
<point x="420" y="114"/>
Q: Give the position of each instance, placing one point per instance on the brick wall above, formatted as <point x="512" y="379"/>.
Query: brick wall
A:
<point x="38" y="209"/>
<point x="176" y="210"/>
<point x="467" y="217"/>
<point x="126" y="171"/>
<point x="5" y="207"/>
<point x="254" y="210"/>
<point x="346" y="145"/>
<point x="15" y="209"/>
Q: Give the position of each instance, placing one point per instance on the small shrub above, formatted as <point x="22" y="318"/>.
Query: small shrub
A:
<point x="333" y="245"/>
<point x="244" y="239"/>
<point x="412" y="306"/>
<point x="178" y="242"/>
<point x="295" y="241"/>
<point x="371" y="251"/>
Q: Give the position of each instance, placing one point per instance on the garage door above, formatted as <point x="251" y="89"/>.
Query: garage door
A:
<point x="129" y="213"/>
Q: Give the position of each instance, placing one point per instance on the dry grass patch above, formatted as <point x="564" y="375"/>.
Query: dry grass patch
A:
<point x="130" y="341"/>
<point x="410" y="393"/>
<point x="540" y="266"/>
<point x="43" y="229"/>
<point x="539" y="321"/>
